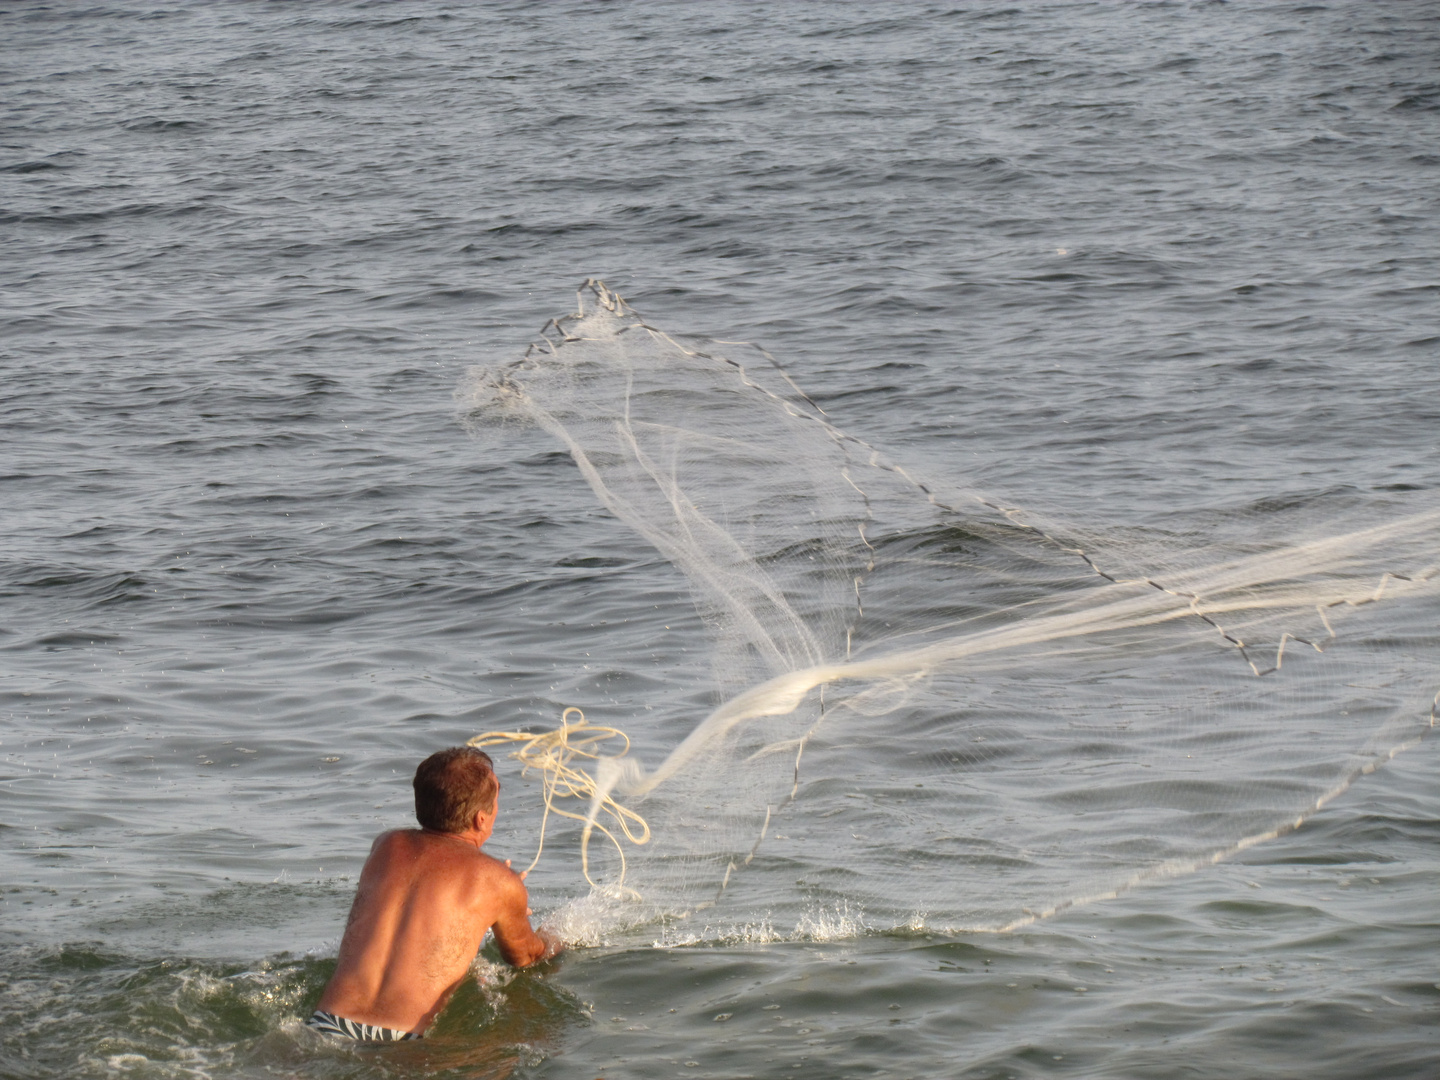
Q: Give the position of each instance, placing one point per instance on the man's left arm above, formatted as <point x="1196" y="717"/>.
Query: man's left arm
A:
<point x="519" y="943"/>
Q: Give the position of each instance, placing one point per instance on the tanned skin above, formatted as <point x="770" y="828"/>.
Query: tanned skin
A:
<point x="424" y="902"/>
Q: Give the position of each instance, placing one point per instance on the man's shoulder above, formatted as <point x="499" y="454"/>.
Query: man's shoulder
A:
<point x="495" y="878"/>
<point x="493" y="868"/>
<point x="394" y="838"/>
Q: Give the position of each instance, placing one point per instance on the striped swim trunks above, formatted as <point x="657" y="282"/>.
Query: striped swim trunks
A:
<point x="330" y="1024"/>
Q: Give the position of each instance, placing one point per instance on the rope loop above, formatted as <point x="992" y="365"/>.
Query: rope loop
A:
<point x="552" y="753"/>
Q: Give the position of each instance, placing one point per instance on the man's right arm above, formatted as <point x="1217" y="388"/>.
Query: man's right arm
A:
<point x="519" y="944"/>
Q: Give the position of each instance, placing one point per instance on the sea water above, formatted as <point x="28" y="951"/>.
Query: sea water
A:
<point x="253" y="569"/>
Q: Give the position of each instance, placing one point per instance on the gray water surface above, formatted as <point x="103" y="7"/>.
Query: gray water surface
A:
<point x="1108" y="259"/>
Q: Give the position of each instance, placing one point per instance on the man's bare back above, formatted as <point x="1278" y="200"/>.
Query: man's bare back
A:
<point x="425" y="900"/>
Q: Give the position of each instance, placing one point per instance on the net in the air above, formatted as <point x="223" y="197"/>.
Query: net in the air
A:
<point x="936" y="704"/>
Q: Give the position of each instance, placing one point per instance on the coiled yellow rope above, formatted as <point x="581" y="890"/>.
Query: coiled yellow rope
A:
<point x="551" y="753"/>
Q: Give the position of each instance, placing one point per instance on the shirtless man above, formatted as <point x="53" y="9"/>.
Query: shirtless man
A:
<point x="425" y="899"/>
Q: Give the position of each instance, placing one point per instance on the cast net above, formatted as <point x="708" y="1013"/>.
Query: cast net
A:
<point x="934" y="705"/>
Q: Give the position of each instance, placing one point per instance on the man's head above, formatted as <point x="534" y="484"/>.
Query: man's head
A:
<point x="452" y="786"/>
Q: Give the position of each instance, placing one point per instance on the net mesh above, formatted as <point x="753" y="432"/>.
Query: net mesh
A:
<point x="945" y="709"/>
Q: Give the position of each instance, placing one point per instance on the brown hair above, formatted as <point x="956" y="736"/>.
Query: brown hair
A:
<point x="452" y="786"/>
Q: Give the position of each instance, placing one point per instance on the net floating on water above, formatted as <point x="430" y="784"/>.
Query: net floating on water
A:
<point x="962" y="711"/>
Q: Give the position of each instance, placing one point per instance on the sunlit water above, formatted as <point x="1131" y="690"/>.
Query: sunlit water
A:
<point x="253" y="569"/>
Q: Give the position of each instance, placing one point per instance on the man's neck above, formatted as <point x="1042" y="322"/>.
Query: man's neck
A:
<point x="470" y="838"/>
